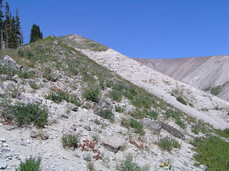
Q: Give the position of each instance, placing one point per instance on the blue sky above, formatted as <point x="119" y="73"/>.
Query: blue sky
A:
<point x="136" y="28"/>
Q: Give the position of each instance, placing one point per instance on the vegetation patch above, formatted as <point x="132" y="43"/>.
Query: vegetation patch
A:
<point x="129" y="165"/>
<point x="92" y="94"/>
<point x="181" y="100"/>
<point x="133" y="124"/>
<point x="176" y="116"/>
<point x="106" y="114"/>
<point x="223" y="133"/>
<point x="212" y="152"/>
<point x="69" y="140"/>
<point x="31" y="164"/>
<point x="168" y="144"/>
<point x="25" y="114"/>
<point x="119" y="109"/>
<point x="48" y="74"/>
<point x="59" y="96"/>
<point x="115" y="95"/>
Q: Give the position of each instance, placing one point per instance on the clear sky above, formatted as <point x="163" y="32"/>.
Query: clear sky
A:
<point x="136" y="28"/>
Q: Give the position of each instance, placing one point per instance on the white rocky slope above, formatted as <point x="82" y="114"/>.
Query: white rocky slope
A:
<point x="19" y="143"/>
<point x="206" y="73"/>
<point x="202" y="105"/>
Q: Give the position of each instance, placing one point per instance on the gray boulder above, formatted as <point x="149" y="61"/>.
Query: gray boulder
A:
<point x="87" y="156"/>
<point x="175" y="132"/>
<point x="151" y="125"/>
<point x="9" y="62"/>
<point x="3" y="164"/>
<point x="112" y="144"/>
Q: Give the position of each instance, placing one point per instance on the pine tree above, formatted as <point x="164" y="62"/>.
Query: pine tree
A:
<point x="18" y="29"/>
<point x="10" y="28"/>
<point x="7" y="25"/>
<point x="1" y="26"/>
<point x="36" y="34"/>
<point x="12" y="37"/>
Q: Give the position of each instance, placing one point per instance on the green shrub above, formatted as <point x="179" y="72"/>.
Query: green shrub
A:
<point x="115" y="95"/>
<point x="34" y="86"/>
<point x="119" y="109"/>
<point x="69" y="140"/>
<point x="25" y="114"/>
<point x="223" y="133"/>
<point x="152" y="114"/>
<point x="58" y="97"/>
<point x="199" y="127"/>
<point x="171" y="114"/>
<point x="181" y="123"/>
<point x="25" y="53"/>
<point x="48" y="74"/>
<point x="138" y="114"/>
<point x="212" y="152"/>
<point x="133" y="124"/>
<point x="25" y="74"/>
<point x="107" y="114"/>
<point x="87" y="77"/>
<point x="176" y="116"/>
<point x="125" y="122"/>
<point x="168" y="144"/>
<point x="181" y="100"/>
<point x="141" y="102"/>
<point x="31" y="164"/>
<point x="129" y="165"/>
<point x="138" y="126"/>
<point x="92" y="94"/>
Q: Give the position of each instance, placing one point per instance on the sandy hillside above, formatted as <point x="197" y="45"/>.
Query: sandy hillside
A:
<point x="210" y="73"/>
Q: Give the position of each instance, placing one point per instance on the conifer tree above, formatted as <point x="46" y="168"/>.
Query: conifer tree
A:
<point x="18" y="29"/>
<point x="1" y="26"/>
<point x="36" y="34"/>
<point x="10" y="28"/>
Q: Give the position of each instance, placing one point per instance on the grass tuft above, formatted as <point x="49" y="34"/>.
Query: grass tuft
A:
<point x="31" y="164"/>
<point x="129" y="165"/>
<point x="92" y="94"/>
<point x="168" y="144"/>
<point x="69" y="140"/>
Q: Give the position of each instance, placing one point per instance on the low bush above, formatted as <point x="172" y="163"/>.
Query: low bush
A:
<point x="141" y="102"/>
<point x="25" y="114"/>
<point x="48" y="74"/>
<point x="212" y="152"/>
<point x="58" y="97"/>
<point x="69" y="140"/>
<point x="31" y="164"/>
<point x="115" y="95"/>
<point x="129" y="165"/>
<point x="25" y="74"/>
<point x="152" y="114"/>
<point x="139" y="114"/>
<point x="119" y="109"/>
<point x="168" y="144"/>
<point x="107" y="114"/>
<point x="138" y="126"/>
<point x="181" y="100"/>
<point x="176" y="116"/>
<point x="92" y="94"/>
<point x="133" y="124"/>
<point x="33" y="86"/>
